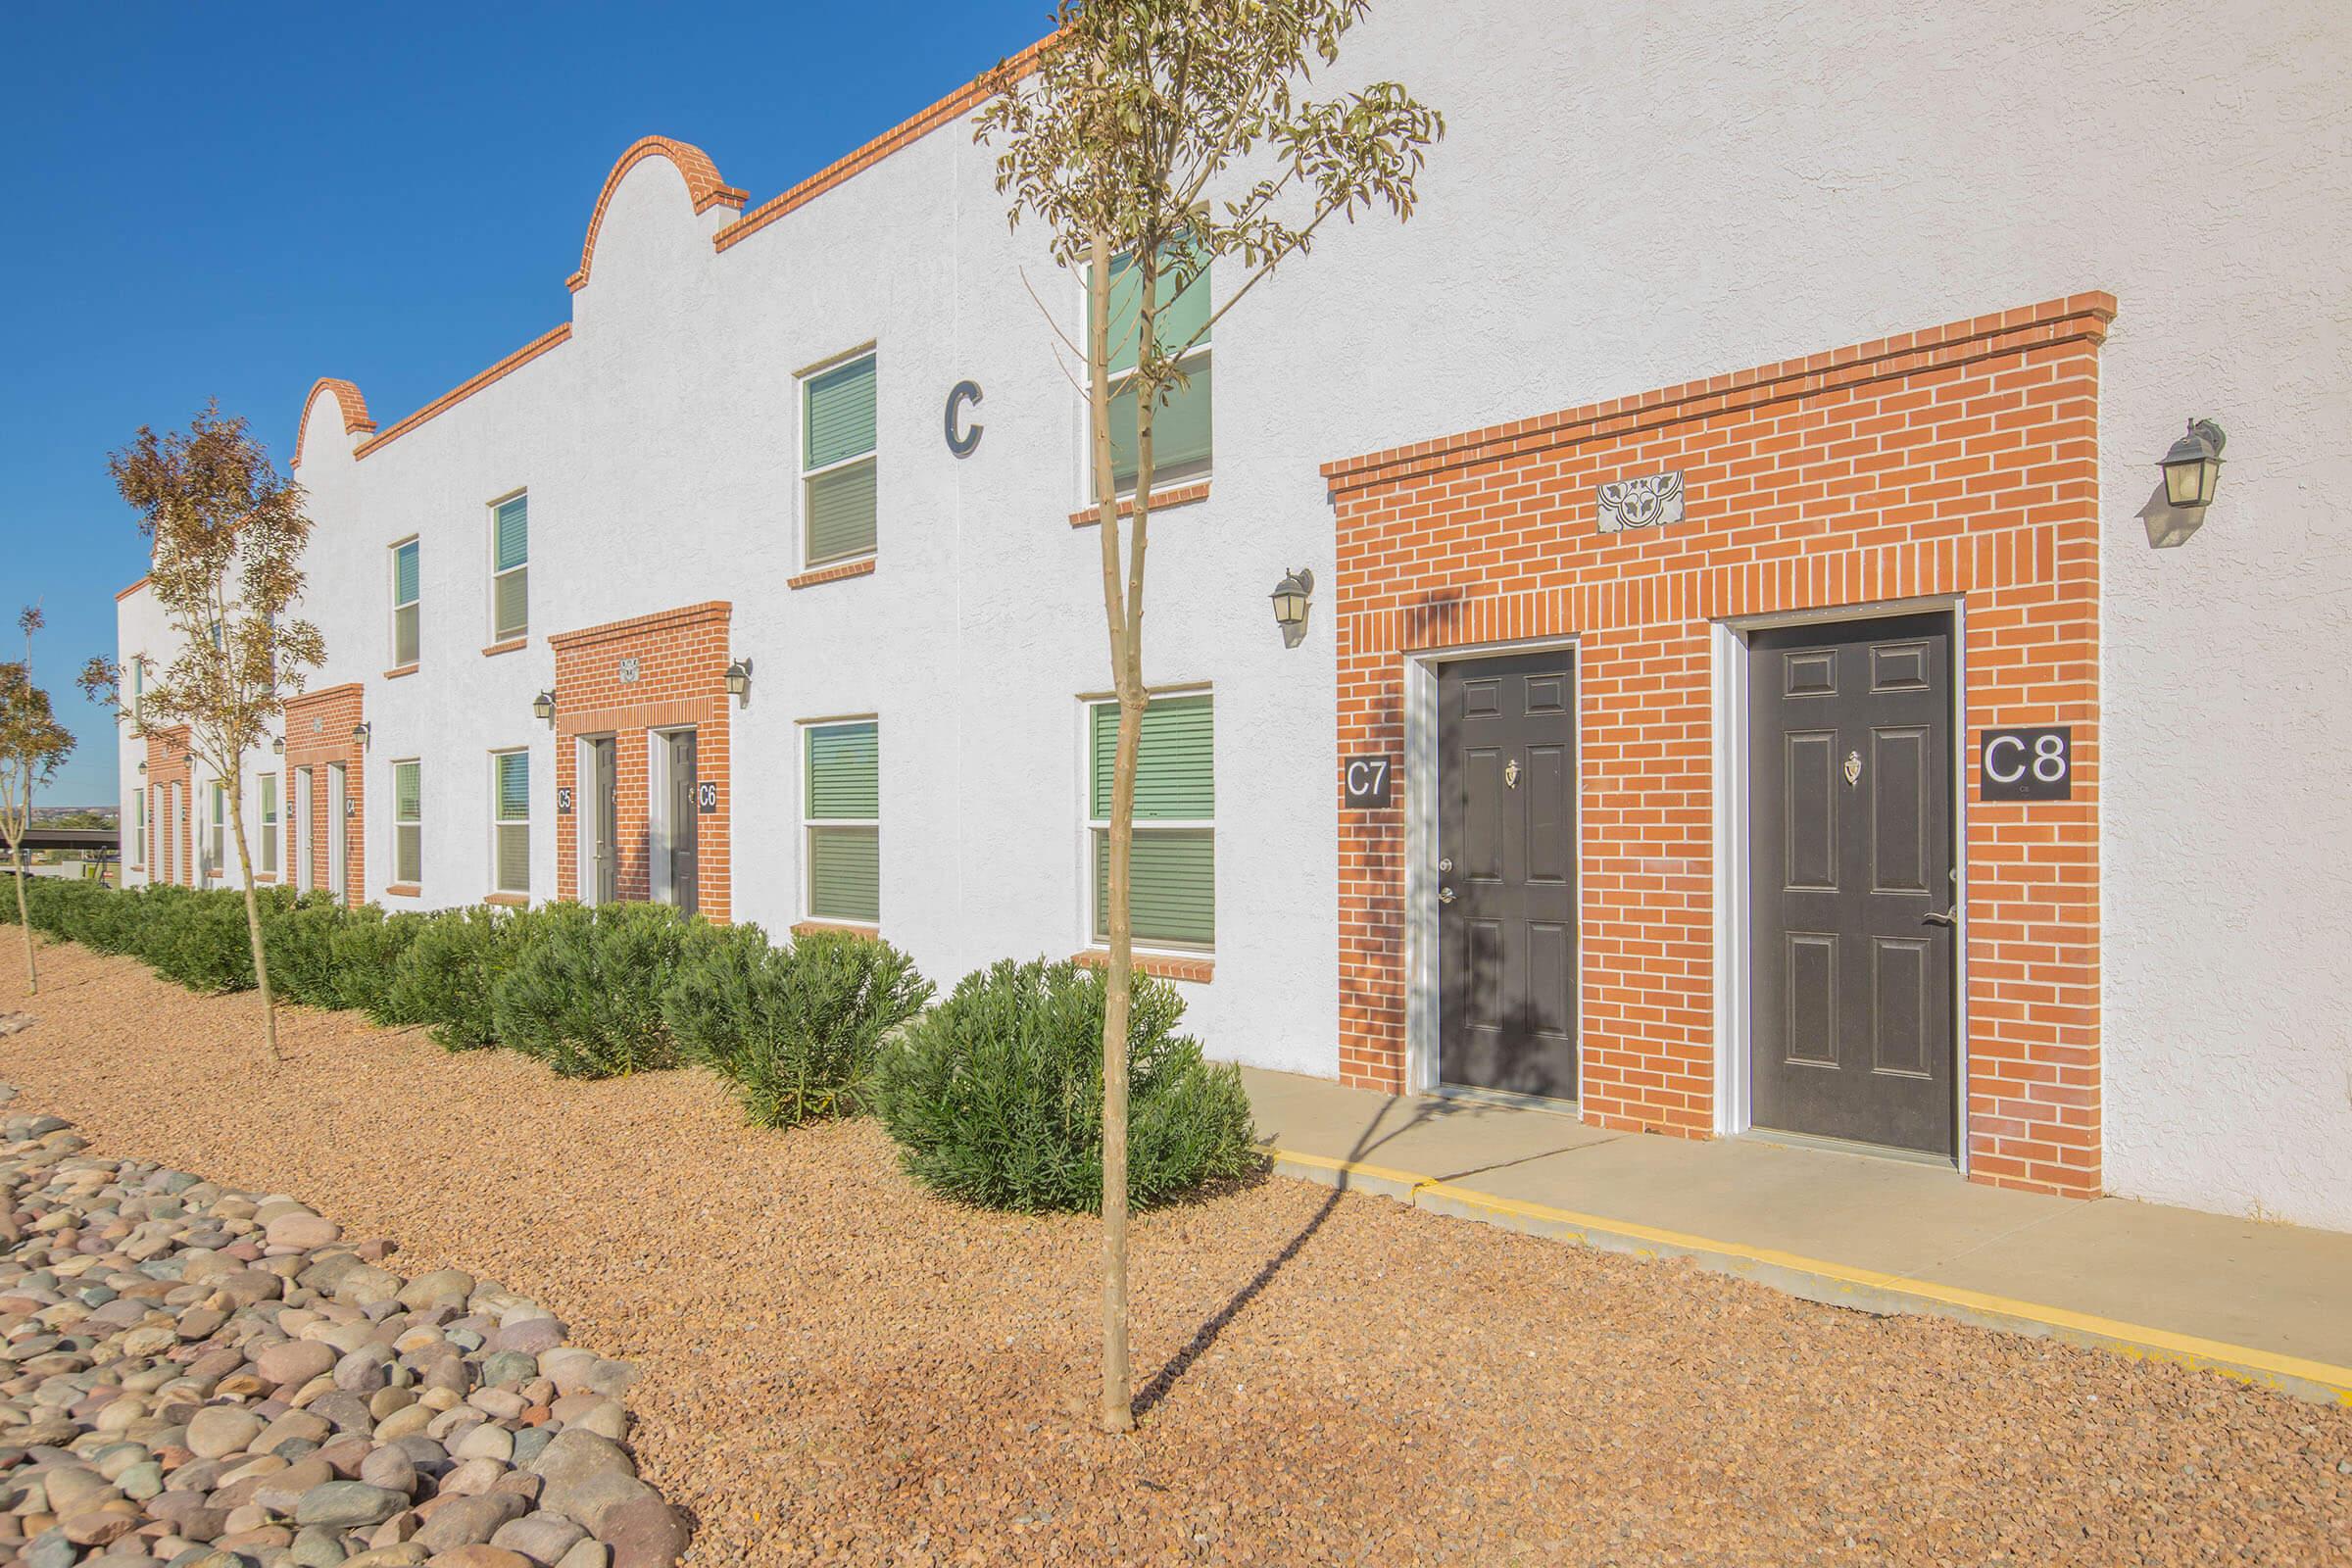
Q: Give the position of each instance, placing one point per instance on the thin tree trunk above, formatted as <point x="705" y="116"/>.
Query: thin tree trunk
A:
<point x="252" y="919"/>
<point x="1118" y="1411"/>
<point x="32" y="974"/>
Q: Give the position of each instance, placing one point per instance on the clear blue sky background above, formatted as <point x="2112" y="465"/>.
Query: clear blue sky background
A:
<point x="233" y="200"/>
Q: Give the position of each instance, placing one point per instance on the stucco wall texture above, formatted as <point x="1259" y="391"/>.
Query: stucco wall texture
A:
<point x="1627" y="198"/>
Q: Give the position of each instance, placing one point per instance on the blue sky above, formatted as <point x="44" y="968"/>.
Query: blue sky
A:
<point x="234" y="200"/>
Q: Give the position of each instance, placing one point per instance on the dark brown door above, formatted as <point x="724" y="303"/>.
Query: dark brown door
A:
<point x="604" y="791"/>
<point x="1850" y="818"/>
<point x="1506" y="874"/>
<point x="684" y="824"/>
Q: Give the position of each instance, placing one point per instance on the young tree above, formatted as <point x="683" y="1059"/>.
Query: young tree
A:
<point x="228" y="532"/>
<point x="1154" y="139"/>
<point x="33" y="743"/>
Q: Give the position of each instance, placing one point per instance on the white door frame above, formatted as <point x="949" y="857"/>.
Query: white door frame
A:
<point x="1728" y="694"/>
<point x="303" y="828"/>
<point x="1423" y="947"/>
<point x="338" y="831"/>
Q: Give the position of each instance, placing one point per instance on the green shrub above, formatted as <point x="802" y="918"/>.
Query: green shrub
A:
<point x="363" y="955"/>
<point x="583" y="991"/>
<point x="199" y="939"/>
<point x="450" y="971"/>
<point x="299" y="938"/>
<point x="794" y="1030"/>
<point x="995" y="1096"/>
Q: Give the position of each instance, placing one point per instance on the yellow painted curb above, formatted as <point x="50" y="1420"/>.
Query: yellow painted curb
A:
<point x="2293" y="1374"/>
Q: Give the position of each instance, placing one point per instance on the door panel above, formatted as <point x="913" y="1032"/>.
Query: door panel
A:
<point x="1506" y="841"/>
<point x="1850" y="795"/>
<point x="603" y="794"/>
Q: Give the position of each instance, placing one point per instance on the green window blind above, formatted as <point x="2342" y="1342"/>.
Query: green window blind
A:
<point x="844" y="771"/>
<point x="514" y="786"/>
<point x="1179" y="319"/>
<point x="510" y="533"/>
<point x="1173" y="902"/>
<point x="840" y="413"/>
<point x="269" y="834"/>
<point x="138" y="829"/>
<point x="407" y="793"/>
<point x="408" y="831"/>
<point x="1181" y="446"/>
<point x="841" y="513"/>
<point x="404" y="573"/>
<point x="1174" y="775"/>
<point x="845" y="873"/>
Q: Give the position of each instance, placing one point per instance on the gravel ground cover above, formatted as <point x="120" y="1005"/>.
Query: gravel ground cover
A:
<point x="835" y="1367"/>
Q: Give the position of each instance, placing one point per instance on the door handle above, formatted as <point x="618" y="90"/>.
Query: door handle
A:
<point x="1444" y="894"/>
<point x="1950" y="916"/>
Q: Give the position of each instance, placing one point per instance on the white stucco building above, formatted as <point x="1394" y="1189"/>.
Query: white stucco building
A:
<point x="2001" y="256"/>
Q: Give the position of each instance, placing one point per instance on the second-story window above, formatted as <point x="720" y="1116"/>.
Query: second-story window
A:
<point x="509" y="569"/>
<point x="138" y="693"/>
<point x="1180" y="429"/>
<point x="405" y="586"/>
<point x="837" y="461"/>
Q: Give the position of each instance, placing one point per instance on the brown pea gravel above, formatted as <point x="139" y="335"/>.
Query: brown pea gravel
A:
<point x="837" y="1367"/>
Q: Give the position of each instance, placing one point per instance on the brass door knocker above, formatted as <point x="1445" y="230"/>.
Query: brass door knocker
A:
<point x="1853" y="767"/>
<point x="1510" y="775"/>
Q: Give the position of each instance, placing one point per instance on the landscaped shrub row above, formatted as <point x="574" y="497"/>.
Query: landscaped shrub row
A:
<point x="995" y="1097"/>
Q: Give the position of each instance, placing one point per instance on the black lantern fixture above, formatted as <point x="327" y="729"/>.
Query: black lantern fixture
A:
<point x="360" y="733"/>
<point x="739" y="680"/>
<point x="1291" y="596"/>
<point x="543" y="708"/>
<point x="2192" y="472"/>
<point x="278" y="745"/>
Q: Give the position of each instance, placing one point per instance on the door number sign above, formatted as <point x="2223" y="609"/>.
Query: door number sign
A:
<point x="2029" y="765"/>
<point x="1370" y="783"/>
<point x="705" y="797"/>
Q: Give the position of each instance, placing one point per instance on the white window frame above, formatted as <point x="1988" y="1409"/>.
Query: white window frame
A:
<point x="498" y="822"/>
<point x="396" y="879"/>
<point x="1090" y="824"/>
<point x="809" y="823"/>
<point x="138" y="827"/>
<point x="1086" y="453"/>
<point x="268" y="815"/>
<point x="392" y="574"/>
<point x="138" y="693"/>
<point x="493" y="574"/>
<point x="216" y="832"/>
<point x="799" y="453"/>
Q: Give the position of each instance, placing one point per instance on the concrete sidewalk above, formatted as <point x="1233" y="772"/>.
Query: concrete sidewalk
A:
<point x="2271" y="1304"/>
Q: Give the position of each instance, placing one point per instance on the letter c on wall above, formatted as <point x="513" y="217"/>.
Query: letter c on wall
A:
<point x="962" y="440"/>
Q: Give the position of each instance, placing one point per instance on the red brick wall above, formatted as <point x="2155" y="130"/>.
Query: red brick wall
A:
<point x="319" y="726"/>
<point x="681" y="658"/>
<point x="1957" y="461"/>
<point x="168" y="764"/>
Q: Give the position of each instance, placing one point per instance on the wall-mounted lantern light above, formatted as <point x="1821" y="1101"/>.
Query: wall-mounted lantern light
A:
<point x="360" y="733"/>
<point x="1291" y="596"/>
<point x="278" y="745"/>
<point x="2192" y="472"/>
<point x="142" y="768"/>
<point x="739" y="680"/>
<point x="543" y="708"/>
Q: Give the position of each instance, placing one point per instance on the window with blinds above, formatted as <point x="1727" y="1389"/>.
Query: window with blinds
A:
<point x="408" y="822"/>
<point x="216" y="843"/>
<point x="843" y="820"/>
<point x="511" y="821"/>
<point x="270" y="824"/>
<point x="837" y="461"/>
<point x="138" y="693"/>
<point x="138" y="829"/>
<point x="405" y="585"/>
<point x="509" y="569"/>
<point x="1174" y="893"/>
<point x="1179" y="426"/>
